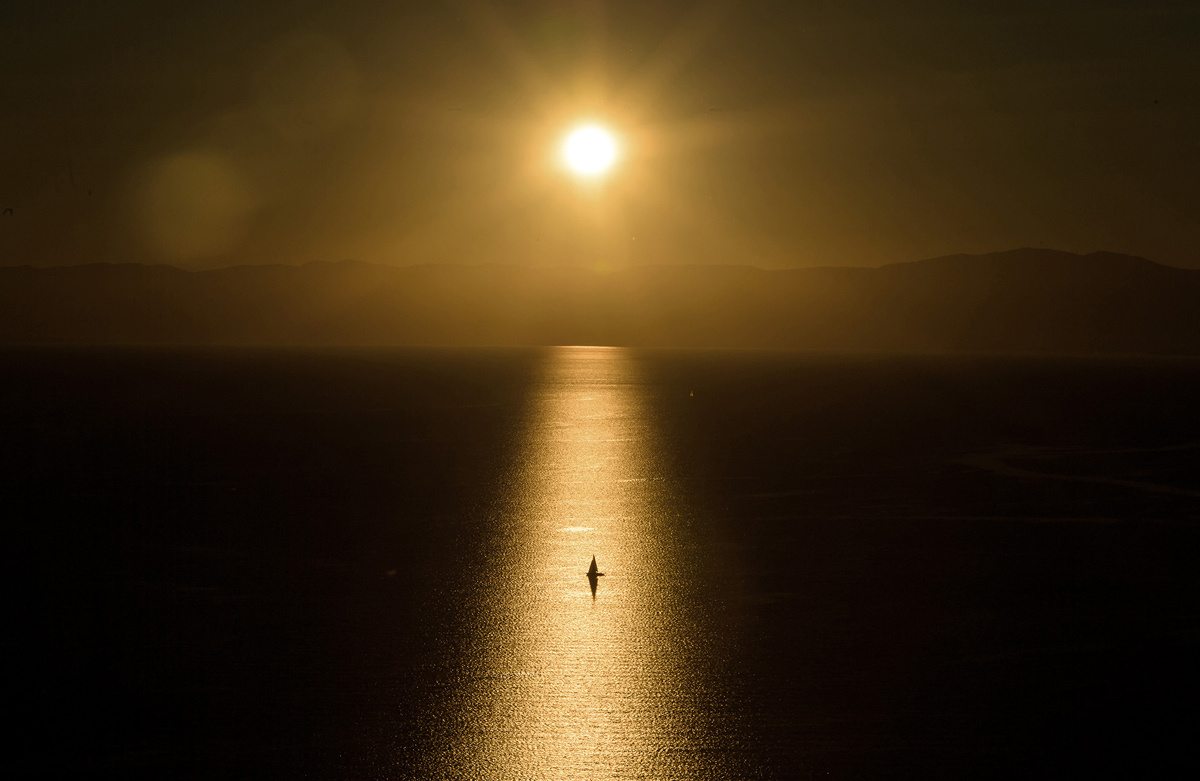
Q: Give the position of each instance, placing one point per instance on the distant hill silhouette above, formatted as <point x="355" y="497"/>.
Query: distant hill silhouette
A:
<point x="1027" y="300"/>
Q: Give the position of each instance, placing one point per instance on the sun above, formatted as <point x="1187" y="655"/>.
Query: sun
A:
<point x="589" y="150"/>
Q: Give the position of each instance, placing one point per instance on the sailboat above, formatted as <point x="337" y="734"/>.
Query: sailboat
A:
<point x="592" y="573"/>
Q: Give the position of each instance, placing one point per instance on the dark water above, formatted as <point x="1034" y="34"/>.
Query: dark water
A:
<point x="369" y="564"/>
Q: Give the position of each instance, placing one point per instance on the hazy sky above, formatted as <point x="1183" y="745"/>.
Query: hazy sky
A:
<point x="769" y="133"/>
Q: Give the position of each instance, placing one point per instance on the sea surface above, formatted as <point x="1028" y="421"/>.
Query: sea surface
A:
<point x="266" y="563"/>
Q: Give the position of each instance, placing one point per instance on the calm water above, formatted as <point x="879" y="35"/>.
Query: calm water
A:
<point x="560" y="682"/>
<point x="258" y="563"/>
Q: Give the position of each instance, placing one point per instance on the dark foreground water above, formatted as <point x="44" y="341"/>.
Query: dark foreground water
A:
<point x="369" y="564"/>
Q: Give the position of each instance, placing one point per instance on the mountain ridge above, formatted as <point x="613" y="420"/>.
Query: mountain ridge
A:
<point x="1024" y="300"/>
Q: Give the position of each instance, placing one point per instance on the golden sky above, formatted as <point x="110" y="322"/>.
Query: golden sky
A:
<point x="766" y="133"/>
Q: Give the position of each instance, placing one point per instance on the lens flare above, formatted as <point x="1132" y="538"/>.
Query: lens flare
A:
<point x="589" y="150"/>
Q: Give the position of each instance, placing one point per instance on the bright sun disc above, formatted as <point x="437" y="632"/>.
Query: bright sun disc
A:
<point x="590" y="150"/>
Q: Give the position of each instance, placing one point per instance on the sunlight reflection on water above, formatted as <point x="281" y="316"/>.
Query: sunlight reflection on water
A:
<point x="564" y="684"/>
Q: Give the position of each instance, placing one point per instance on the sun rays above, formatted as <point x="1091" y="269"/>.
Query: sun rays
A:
<point x="586" y="149"/>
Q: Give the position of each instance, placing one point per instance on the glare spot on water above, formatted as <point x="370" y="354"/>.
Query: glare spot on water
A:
<point x="573" y="677"/>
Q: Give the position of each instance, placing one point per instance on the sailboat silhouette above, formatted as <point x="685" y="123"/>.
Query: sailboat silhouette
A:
<point x="593" y="576"/>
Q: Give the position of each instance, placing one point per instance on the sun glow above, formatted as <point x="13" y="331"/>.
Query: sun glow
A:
<point x="589" y="150"/>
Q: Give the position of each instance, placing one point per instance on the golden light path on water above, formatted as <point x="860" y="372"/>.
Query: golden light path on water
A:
<point x="571" y="685"/>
